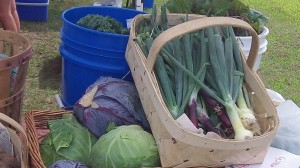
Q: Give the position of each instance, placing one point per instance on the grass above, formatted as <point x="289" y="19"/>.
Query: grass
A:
<point x="44" y="75"/>
<point x="280" y="66"/>
<point x="279" y="69"/>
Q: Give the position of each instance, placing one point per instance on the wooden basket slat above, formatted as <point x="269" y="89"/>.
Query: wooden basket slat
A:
<point x="5" y="83"/>
<point x="1" y="46"/>
<point x="19" y="51"/>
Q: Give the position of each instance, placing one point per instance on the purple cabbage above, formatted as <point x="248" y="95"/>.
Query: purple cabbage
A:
<point x="67" y="164"/>
<point x="117" y="102"/>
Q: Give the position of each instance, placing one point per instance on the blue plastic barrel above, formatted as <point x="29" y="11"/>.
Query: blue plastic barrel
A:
<point x="148" y="3"/>
<point x="88" y="54"/>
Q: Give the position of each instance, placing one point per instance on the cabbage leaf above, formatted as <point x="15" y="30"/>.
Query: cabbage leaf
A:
<point x="48" y="153"/>
<point x="110" y="100"/>
<point x="67" y="139"/>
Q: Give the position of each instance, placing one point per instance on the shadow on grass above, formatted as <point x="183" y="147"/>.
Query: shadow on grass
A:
<point x="50" y="74"/>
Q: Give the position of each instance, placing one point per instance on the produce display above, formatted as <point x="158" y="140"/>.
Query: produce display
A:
<point x="107" y="129"/>
<point x="206" y="61"/>
<point x="199" y="74"/>
<point x="102" y="24"/>
<point x="203" y="103"/>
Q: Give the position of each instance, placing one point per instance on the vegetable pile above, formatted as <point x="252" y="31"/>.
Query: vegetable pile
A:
<point x="233" y="8"/>
<point x="201" y="74"/>
<point x="102" y="24"/>
<point x="108" y="129"/>
<point x="71" y="145"/>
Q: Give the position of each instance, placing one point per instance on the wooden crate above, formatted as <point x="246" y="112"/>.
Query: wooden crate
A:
<point x="177" y="147"/>
<point x="13" y="70"/>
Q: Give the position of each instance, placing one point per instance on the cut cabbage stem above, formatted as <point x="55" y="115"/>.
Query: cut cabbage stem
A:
<point x="87" y="99"/>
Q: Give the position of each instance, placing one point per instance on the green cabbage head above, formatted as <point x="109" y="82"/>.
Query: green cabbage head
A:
<point x="127" y="147"/>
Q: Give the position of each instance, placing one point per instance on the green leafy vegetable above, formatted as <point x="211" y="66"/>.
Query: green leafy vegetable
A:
<point x="126" y="147"/>
<point x="48" y="153"/>
<point x="102" y="24"/>
<point x="234" y="8"/>
<point x="67" y="140"/>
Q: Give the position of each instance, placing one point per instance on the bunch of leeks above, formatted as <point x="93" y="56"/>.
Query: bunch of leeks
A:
<point x="201" y="74"/>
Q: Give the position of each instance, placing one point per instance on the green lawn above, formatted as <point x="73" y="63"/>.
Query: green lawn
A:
<point x="280" y="66"/>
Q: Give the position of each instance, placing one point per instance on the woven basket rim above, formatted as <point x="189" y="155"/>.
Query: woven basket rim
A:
<point x="31" y="131"/>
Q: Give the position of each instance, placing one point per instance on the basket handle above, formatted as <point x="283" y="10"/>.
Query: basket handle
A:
<point x="13" y="123"/>
<point x="197" y="24"/>
<point x="20" y="129"/>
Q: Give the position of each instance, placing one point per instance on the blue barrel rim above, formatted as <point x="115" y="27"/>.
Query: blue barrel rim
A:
<point x="83" y="63"/>
<point x="94" y="55"/>
<point x="62" y="33"/>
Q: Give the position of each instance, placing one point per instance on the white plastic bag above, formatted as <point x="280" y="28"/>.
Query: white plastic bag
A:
<point x="288" y="134"/>
<point x="187" y="125"/>
<point x="116" y="3"/>
<point x="275" y="97"/>
<point x="275" y="158"/>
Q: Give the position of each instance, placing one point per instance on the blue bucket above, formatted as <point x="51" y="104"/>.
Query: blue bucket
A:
<point x="78" y="74"/>
<point x="96" y="39"/>
<point x="89" y="49"/>
<point x="88" y="54"/>
<point x="148" y="3"/>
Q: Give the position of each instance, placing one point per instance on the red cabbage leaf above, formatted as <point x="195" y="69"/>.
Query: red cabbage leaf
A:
<point x="115" y="101"/>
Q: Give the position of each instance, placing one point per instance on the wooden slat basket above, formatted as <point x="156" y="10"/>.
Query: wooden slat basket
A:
<point x="178" y="147"/>
<point x="16" y="51"/>
<point x="18" y="139"/>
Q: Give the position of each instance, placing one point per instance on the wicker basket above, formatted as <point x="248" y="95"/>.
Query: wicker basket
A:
<point x="37" y="120"/>
<point x="13" y="70"/>
<point x="177" y="147"/>
<point x="18" y="138"/>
